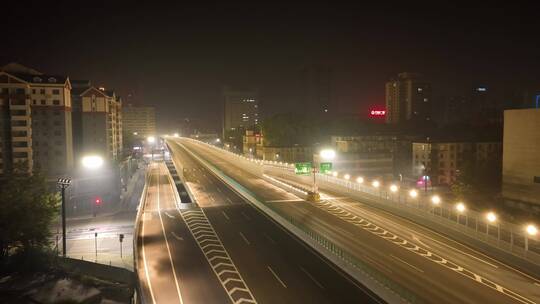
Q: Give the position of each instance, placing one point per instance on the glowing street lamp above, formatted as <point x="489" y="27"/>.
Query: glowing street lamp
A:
<point x="327" y="154"/>
<point x="151" y="139"/>
<point x="531" y="230"/>
<point x="334" y="174"/>
<point x="413" y="193"/>
<point x="491" y="217"/>
<point x="460" y="207"/>
<point x="176" y="135"/>
<point x="92" y="162"/>
<point x="347" y="176"/>
<point x="375" y="183"/>
<point x="394" y="188"/>
<point x="360" y="180"/>
<point x="436" y="200"/>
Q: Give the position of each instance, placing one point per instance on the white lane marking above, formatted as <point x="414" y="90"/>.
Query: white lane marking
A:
<point x="285" y="200"/>
<point x="312" y="278"/>
<point x="408" y="264"/>
<point x="218" y="189"/>
<point x="229" y="200"/>
<point x="414" y="237"/>
<point x="144" y="258"/>
<point x="177" y="236"/>
<point x="277" y="278"/>
<point x="225" y="215"/>
<point x="246" y="216"/>
<point x="167" y="214"/>
<point x="167" y="243"/>
<point x="374" y="229"/>
<point x="536" y="284"/>
<point x="244" y="237"/>
<point x="269" y="238"/>
<point x="214" y="250"/>
<point x="212" y="198"/>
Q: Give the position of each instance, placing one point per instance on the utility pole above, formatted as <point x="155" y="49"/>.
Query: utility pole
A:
<point x="63" y="183"/>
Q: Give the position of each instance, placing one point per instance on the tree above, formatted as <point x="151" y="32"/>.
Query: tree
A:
<point x="27" y="208"/>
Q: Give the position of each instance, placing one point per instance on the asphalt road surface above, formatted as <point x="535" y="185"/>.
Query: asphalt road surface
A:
<point x="438" y="270"/>
<point x="226" y="251"/>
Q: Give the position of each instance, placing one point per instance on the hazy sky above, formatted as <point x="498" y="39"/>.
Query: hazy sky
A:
<point x="178" y="57"/>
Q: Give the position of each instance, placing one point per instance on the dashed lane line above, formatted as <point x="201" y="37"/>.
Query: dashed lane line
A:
<point x="167" y="214"/>
<point x="244" y="237"/>
<point x="269" y="238"/>
<point x="167" y="243"/>
<point x="277" y="277"/>
<point x="217" y="256"/>
<point x="389" y="236"/>
<point x="177" y="236"/>
<point x="245" y="215"/>
<point x="406" y="263"/>
<point x="312" y="278"/>
<point x="225" y="215"/>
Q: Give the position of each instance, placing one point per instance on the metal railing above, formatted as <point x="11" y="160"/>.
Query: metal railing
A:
<point x="506" y="236"/>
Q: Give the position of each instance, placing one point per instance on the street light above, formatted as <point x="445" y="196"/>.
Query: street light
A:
<point x="360" y="180"/>
<point x="347" y="176"/>
<point x="491" y="217"/>
<point x="327" y="154"/>
<point x="393" y="188"/>
<point x="413" y="193"/>
<point x="176" y="135"/>
<point x="92" y="162"/>
<point x="63" y="183"/>
<point x="436" y="200"/>
<point x="334" y="174"/>
<point x="531" y="230"/>
<point x="151" y="139"/>
<point x="375" y="183"/>
<point x="460" y="207"/>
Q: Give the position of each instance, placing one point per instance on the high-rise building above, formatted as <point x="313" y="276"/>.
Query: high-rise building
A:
<point x="521" y="159"/>
<point x="408" y="98"/>
<point x="140" y="120"/>
<point x="241" y="109"/>
<point x="316" y="94"/>
<point x="101" y="123"/>
<point x="35" y="117"/>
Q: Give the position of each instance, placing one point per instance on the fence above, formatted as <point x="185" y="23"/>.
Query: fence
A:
<point x="506" y="236"/>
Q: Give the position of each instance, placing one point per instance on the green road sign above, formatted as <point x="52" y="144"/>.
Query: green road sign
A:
<point x="302" y="168"/>
<point x="325" y="168"/>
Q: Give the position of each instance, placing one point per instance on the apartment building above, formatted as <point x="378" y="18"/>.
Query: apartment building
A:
<point x="442" y="161"/>
<point x="241" y="109"/>
<point x="101" y="123"/>
<point x="408" y="98"/>
<point x="36" y="125"/>
<point x="140" y="120"/>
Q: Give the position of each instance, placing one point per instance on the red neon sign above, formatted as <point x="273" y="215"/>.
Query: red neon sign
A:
<point x="378" y="112"/>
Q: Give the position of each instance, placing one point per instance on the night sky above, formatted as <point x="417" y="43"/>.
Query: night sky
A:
<point x="178" y="57"/>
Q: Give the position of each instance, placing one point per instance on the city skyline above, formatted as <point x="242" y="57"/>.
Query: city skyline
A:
<point x="179" y="57"/>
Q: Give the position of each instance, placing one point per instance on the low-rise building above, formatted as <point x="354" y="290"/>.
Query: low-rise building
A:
<point x="252" y="144"/>
<point x="288" y="154"/>
<point x="521" y="157"/>
<point x="443" y="160"/>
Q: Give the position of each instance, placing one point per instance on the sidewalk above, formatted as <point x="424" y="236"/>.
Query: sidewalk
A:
<point x="82" y="242"/>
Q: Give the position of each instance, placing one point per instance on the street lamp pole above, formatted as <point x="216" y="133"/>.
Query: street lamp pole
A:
<point x="63" y="183"/>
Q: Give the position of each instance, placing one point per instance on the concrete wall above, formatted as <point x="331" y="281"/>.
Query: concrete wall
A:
<point x="521" y="156"/>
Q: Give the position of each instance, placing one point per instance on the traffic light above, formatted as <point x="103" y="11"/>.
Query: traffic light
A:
<point x="98" y="201"/>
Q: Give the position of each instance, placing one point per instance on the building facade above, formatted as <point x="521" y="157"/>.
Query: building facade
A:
<point x="252" y="143"/>
<point x="521" y="156"/>
<point x="36" y="130"/>
<point x="101" y="121"/>
<point x="442" y="161"/>
<point x="288" y="154"/>
<point x="140" y="120"/>
<point x="241" y="109"/>
<point x="408" y="98"/>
